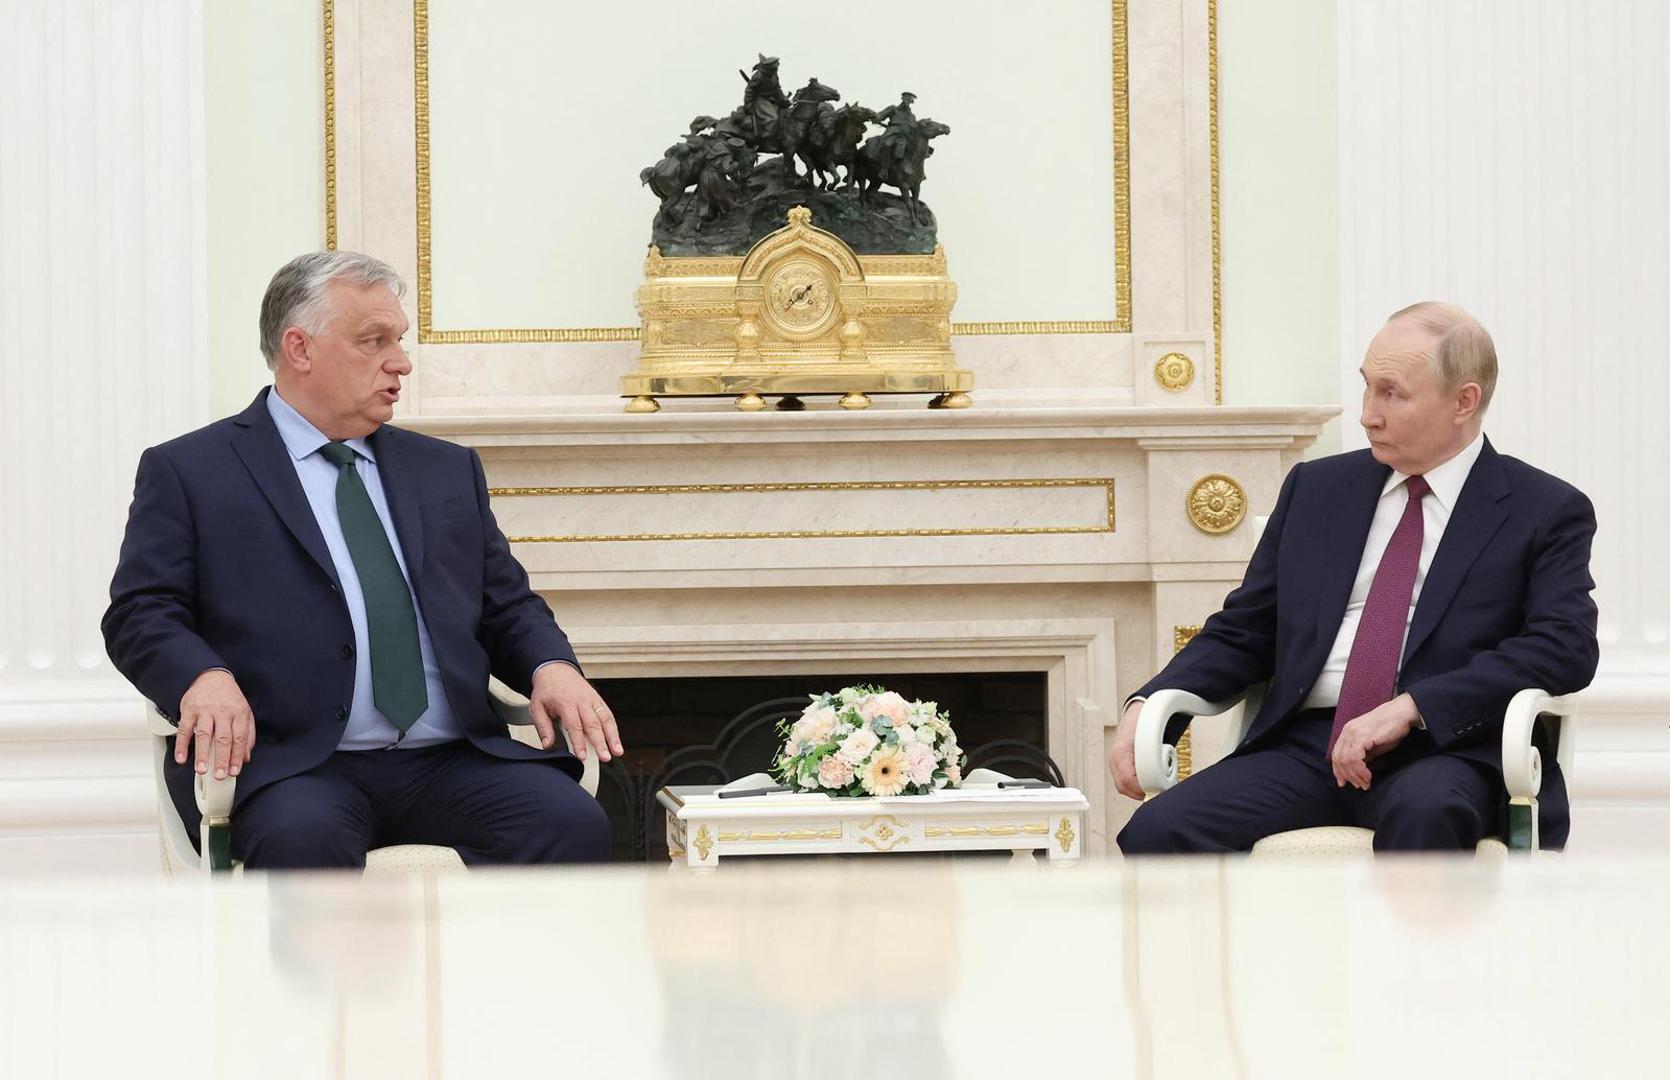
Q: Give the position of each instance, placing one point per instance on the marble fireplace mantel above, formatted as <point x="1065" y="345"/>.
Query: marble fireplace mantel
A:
<point x="1047" y="538"/>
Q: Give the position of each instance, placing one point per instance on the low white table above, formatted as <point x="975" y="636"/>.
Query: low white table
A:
<point x="702" y="829"/>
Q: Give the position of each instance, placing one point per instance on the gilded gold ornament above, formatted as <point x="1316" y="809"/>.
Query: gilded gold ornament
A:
<point x="1174" y="371"/>
<point x="801" y="313"/>
<point x="1216" y="503"/>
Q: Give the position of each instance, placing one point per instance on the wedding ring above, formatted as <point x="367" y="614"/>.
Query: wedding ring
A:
<point x="597" y="710"/>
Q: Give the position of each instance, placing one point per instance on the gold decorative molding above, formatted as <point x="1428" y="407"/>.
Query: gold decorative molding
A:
<point x="420" y="91"/>
<point x="429" y="335"/>
<point x="886" y="833"/>
<point x="1105" y="483"/>
<point x="704" y="843"/>
<point x="753" y="837"/>
<point x="1174" y="371"/>
<point x="1217" y="240"/>
<point x="934" y="832"/>
<point x="1065" y="836"/>
<point x="521" y="337"/>
<point x="330" y="124"/>
<point x="1085" y="326"/>
<point x="1216" y="503"/>
<point x="1181" y="636"/>
<point x="1121" y="171"/>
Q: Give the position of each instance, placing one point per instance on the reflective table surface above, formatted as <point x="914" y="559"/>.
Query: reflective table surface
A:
<point x="1539" y="966"/>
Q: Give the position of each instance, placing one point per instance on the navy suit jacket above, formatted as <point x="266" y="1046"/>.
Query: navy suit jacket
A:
<point x="223" y="565"/>
<point x="1506" y="605"/>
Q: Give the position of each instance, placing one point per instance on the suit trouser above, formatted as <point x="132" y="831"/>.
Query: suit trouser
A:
<point x="489" y="809"/>
<point x="1418" y="800"/>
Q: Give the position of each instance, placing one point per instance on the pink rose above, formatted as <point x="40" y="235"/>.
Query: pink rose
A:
<point x="887" y="706"/>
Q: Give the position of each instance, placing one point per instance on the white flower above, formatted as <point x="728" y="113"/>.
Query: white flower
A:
<point x="924" y="734"/>
<point x="814" y="725"/>
<point x="953" y="774"/>
<point x="857" y="746"/>
<point x="907" y="736"/>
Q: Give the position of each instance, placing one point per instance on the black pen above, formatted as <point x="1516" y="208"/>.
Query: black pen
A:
<point x="751" y="791"/>
<point x="1024" y="784"/>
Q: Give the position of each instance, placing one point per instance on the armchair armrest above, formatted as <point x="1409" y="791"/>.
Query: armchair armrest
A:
<point x="1156" y="759"/>
<point x="1521" y="761"/>
<point x="513" y="709"/>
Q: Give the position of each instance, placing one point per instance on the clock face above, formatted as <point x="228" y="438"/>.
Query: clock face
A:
<point x="800" y="300"/>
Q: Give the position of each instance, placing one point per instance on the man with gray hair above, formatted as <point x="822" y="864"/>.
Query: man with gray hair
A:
<point x="1399" y="596"/>
<point x="318" y="599"/>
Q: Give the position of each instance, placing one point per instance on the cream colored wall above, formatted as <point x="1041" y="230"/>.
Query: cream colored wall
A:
<point x="1279" y="201"/>
<point x="263" y="117"/>
<point x="1278" y="141"/>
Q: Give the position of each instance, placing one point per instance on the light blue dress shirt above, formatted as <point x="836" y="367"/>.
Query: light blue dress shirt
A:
<point x="367" y="729"/>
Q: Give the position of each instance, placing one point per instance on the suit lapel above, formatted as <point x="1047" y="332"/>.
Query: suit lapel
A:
<point x="1348" y="529"/>
<point x="400" y="488"/>
<point x="261" y="449"/>
<point x="1479" y="512"/>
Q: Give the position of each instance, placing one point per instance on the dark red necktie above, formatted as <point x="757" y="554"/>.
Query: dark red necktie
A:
<point x="1371" y="671"/>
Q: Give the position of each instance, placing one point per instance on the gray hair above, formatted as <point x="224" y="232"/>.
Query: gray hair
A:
<point x="1462" y="352"/>
<point x="296" y="294"/>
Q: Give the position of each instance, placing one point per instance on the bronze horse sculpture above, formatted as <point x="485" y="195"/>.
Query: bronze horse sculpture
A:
<point x="875" y="165"/>
<point x="834" y="145"/>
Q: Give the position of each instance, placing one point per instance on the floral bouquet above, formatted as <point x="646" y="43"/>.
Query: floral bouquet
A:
<point x="864" y="740"/>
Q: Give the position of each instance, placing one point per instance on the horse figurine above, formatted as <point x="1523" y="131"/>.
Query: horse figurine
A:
<point x="835" y="146"/>
<point x="876" y="166"/>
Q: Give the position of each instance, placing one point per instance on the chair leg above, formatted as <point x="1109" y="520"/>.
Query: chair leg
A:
<point x="217" y="845"/>
<point x="1522" y="824"/>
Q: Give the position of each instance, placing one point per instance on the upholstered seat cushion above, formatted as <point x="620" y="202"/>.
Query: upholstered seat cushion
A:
<point x="1341" y="840"/>
<point x="412" y="859"/>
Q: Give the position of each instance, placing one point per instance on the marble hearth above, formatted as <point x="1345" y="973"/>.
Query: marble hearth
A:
<point x="1077" y="542"/>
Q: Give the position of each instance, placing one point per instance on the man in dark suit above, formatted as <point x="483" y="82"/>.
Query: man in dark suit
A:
<point x="1398" y="598"/>
<point x="306" y="573"/>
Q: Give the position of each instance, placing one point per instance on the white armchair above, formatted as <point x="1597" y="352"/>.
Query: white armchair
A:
<point x="1156" y="762"/>
<point x="214" y="801"/>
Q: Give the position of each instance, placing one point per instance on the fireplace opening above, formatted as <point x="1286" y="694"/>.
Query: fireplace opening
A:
<point x="710" y="730"/>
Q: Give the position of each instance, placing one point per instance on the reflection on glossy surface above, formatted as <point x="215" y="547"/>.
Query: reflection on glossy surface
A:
<point x="1535" y="967"/>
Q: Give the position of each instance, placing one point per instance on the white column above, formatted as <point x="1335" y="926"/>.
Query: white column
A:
<point x="102" y="353"/>
<point x="1513" y="157"/>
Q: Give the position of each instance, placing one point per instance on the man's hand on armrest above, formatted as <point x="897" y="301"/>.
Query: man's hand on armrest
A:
<point x="1122" y="759"/>
<point x="561" y="695"/>
<point x="216" y="718"/>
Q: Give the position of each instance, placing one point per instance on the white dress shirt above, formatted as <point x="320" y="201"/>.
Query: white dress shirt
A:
<point x="367" y="729"/>
<point x="1446" y="482"/>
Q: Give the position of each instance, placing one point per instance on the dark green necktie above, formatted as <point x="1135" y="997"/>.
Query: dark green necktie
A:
<point x="391" y="622"/>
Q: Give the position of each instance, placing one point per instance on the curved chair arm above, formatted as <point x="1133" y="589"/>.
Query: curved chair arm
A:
<point x="1157" y="759"/>
<point x="513" y="709"/>
<point x="1521" y="761"/>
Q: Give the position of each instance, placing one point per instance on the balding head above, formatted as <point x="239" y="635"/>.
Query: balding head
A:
<point x="1462" y="351"/>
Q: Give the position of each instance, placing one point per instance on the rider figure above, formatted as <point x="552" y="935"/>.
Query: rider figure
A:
<point x="763" y="97"/>
<point x="900" y="123"/>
